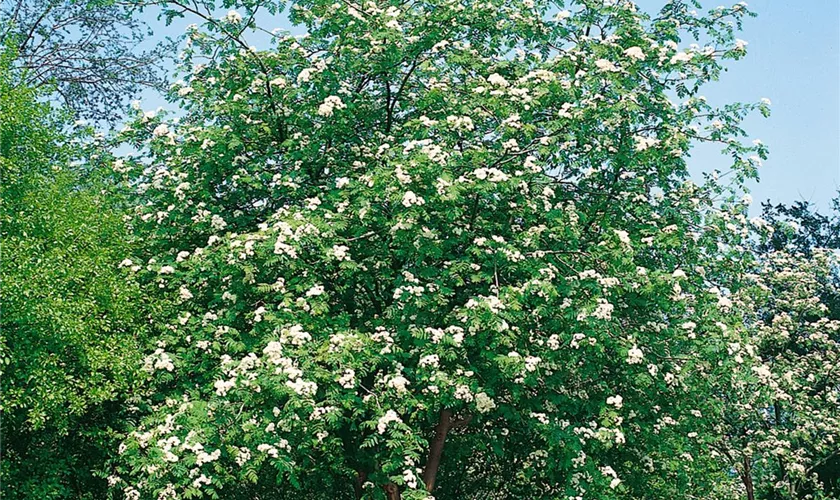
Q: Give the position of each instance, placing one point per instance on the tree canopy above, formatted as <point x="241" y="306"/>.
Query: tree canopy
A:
<point x="88" y="53"/>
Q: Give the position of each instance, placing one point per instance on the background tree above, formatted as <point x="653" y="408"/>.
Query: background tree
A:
<point x="780" y="425"/>
<point x="87" y="52"/>
<point x="801" y="229"/>
<point x="68" y="332"/>
<point x="786" y="419"/>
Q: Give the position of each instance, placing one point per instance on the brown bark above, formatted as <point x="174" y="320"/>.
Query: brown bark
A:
<point x="747" y="478"/>
<point x="777" y="409"/>
<point x="361" y="477"/>
<point x="436" y="449"/>
<point x="445" y="424"/>
<point x="392" y="491"/>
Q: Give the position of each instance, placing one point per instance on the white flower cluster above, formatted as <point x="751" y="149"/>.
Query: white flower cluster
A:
<point x="329" y="105"/>
<point x="635" y="356"/>
<point x="616" y="401"/>
<point x="484" y="403"/>
<point x="411" y="199"/>
<point x="348" y="379"/>
<point x="604" y="310"/>
<point x="159" y="360"/>
<point x="384" y="420"/>
<point x="635" y="53"/>
<point x="294" y="335"/>
<point x="302" y="387"/>
<point x="490" y="174"/>
<point x="233" y="17"/>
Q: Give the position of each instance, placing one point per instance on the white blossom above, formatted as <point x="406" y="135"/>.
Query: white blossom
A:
<point x="635" y="53"/>
<point x="330" y="104"/>
<point x="635" y="356"/>
<point x="410" y="199"/>
<point x="233" y="17"/>
<point x="382" y="423"/>
<point x="484" y="403"/>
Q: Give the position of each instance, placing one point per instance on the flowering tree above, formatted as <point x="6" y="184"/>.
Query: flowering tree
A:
<point x="440" y="248"/>
<point x="780" y="426"/>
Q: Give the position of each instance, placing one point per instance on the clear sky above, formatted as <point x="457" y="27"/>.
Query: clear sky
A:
<point x="794" y="60"/>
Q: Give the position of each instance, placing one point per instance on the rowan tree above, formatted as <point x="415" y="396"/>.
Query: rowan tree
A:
<point x="440" y="247"/>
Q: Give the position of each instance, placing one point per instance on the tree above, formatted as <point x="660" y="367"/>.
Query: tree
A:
<point x="440" y="247"/>
<point x="68" y="333"/>
<point x="780" y="428"/>
<point x="799" y="228"/>
<point x="87" y="52"/>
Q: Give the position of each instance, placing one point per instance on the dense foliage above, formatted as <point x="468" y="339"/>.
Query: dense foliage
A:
<point x="430" y="248"/>
<point x="69" y="339"/>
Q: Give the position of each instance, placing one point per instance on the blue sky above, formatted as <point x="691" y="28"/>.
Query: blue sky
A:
<point x="794" y="60"/>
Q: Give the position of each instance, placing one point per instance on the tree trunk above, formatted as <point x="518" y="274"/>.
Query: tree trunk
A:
<point x="392" y="491"/>
<point x="747" y="478"/>
<point x="436" y="449"/>
<point x="777" y="410"/>
<point x="361" y="477"/>
<point x="444" y="425"/>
